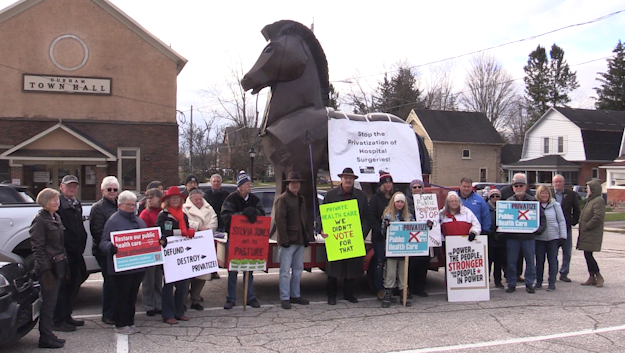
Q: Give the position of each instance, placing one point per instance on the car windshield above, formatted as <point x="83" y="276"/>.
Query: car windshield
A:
<point x="26" y="197"/>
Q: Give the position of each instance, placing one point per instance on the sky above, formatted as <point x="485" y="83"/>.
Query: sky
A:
<point x="365" y="38"/>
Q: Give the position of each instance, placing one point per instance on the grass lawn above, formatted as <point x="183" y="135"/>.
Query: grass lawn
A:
<point x="609" y="217"/>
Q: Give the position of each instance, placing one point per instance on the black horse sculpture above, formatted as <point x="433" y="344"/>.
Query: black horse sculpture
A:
<point x="295" y="122"/>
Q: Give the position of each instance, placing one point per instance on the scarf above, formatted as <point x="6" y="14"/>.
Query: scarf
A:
<point x="179" y="216"/>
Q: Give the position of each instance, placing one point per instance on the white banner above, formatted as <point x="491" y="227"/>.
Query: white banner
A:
<point x="467" y="268"/>
<point x="368" y="147"/>
<point x="426" y="209"/>
<point x="187" y="258"/>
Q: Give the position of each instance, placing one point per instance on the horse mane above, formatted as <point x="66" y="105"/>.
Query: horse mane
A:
<point x="276" y="29"/>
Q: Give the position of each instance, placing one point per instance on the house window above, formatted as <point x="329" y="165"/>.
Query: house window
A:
<point x="595" y="173"/>
<point x="5" y="170"/>
<point x="128" y="171"/>
<point x="483" y="175"/>
<point x="546" y="145"/>
<point x="560" y="144"/>
<point x="466" y="154"/>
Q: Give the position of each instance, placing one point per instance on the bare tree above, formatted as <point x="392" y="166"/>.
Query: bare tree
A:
<point x="360" y="96"/>
<point x="517" y="121"/>
<point x="490" y="89"/>
<point x="439" y="91"/>
<point x="204" y="137"/>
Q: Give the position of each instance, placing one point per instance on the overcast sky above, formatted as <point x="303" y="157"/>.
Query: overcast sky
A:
<point x="367" y="38"/>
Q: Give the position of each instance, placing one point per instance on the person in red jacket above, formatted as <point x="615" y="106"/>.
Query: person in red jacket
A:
<point x="152" y="285"/>
<point x="457" y="219"/>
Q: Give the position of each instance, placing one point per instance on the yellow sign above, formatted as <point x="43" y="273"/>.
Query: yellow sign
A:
<point x="341" y="221"/>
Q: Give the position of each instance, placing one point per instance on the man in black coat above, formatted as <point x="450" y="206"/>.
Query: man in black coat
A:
<point x="348" y="269"/>
<point x="379" y="201"/>
<point x="215" y="197"/>
<point x="75" y="239"/>
<point x="570" y="206"/>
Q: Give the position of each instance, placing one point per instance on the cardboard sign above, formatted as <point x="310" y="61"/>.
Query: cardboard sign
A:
<point x="137" y="248"/>
<point x="248" y="244"/>
<point x="467" y="268"/>
<point x="518" y="216"/>
<point x="426" y="209"/>
<point x="187" y="258"/>
<point x="407" y="239"/>
<point x="371" y="146"/>
<point x="341" y="221"/>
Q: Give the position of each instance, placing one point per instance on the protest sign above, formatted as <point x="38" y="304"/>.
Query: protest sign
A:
<point x="248" y="243"/>
<point x="467" y="268"/>
<point x="426" y="209"/>
<point x="518" y="216"/>
<point x="407" y="239"/>
<point x="187" y="258"/>
<point x="341" y="221"/>
<point x="371" y="146"/>
<point x="137" y="248"/>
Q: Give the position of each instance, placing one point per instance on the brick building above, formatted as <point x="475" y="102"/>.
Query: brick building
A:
<point x="86" y="90"/>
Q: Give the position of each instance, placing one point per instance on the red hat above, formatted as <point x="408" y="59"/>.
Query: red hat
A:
<point x="173" y="191"/>
<point x="384" y="177"/>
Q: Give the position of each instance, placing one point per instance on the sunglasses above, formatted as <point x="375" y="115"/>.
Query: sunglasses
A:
<point x="495" y="196"/>
<point x="518" y="185"/>
<point x="111" y="190"/>
<point x="416" y="187"/>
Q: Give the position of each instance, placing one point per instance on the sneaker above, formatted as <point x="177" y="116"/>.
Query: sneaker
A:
<point x="510" y="289"/>
<point x="254" y="303"/>
<point x="551" y="288"/>
<point x="530" y="289"/>
<point x="564" y="278"/>
<point x="126" y="330"/>
<point x="63" y="327"/>
<point x="229" y="305"/>
<point x="135" y="328"/>
<point x="300" y="301"/>
<point x="285" y="304"/>
<point x="538" y="286"/>
<point x="197" y="307"/>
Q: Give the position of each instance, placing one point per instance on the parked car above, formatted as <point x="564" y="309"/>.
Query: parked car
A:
<point x="581" y="191"/>
<point x="12" y="194"/>
<point x="19" y="298"/>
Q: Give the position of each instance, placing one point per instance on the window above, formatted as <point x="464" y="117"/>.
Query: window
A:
<point x="5" y="170"/>
<point x="128" y="170"/>
<point x="483" y="175"/>
<point x="595" y="173"/>
<point x="466" y="154"/>
<point x="546" y="145"/>
<point x="560" y="144"/>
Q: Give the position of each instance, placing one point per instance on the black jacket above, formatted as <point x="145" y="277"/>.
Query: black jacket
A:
<point x="101" y="211"/>
<point x="570" y="206"/>
<point x="46" y="239"/>
<point x="75" y="233"/>
<point x="234" y="204"/>
<point x="165" y="216"/>
<point x="377" y="204"/>
<point x="216" y="200"/>
<point x="120" y="220"/>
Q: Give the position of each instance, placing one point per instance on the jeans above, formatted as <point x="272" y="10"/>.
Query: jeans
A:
<point x="379" y="252"/>
<point x="567" y="248"/>
<point x="152" y="288"/>
<point x="291" y="258"/>
<point x="551" y="249"/>
<point x="528" y="247"/>
<point x="173" y="304"/>
<point x="108" y="289"/>
<point x="232" y="287"/>
<point x="126" y="289"/>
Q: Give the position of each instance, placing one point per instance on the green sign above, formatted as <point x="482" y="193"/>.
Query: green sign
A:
<point x="341" y="221"/>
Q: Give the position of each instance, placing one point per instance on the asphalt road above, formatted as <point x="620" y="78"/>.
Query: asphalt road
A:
<point x="574" y="318"/>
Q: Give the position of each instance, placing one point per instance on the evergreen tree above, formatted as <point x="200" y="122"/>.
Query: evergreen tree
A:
<point x="562" y="79"/>
<point x="400" y="94"/>
<point x="612" y="91"/>
<point x="334" y="98"/>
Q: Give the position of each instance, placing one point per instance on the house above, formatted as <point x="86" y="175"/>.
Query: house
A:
<point x="460" y="144"/>
<point x="571" y="142"/>
<point x="510" y="153"/>
<point x="87" y="91"/>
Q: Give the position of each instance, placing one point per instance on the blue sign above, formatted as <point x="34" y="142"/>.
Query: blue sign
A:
<point x="518" y="216"/>
<point x="407" y="239"/>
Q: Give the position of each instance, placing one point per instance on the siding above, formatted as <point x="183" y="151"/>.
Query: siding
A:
<point x="553" y="125"/>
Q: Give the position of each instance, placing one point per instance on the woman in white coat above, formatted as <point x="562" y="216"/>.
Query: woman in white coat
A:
<point x="201" y="217"/>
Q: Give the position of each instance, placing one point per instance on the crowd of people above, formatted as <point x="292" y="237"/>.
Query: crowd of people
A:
<point x="58" y="240"/>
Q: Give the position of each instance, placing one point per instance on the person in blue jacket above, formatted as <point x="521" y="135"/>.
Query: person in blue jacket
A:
<point x="475" y="203"/>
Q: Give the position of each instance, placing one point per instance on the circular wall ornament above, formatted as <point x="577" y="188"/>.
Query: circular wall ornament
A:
<point x="63" y="67"/>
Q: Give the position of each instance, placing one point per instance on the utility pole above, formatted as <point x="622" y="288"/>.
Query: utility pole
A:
<point x="191" y="143"/>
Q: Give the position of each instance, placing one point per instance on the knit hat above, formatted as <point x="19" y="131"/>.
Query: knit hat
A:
<point x="190" y="178"/>
<point x="400" y="197"/>
<point x="384" y="177"/>
<point x="493" y="191"/>
<point x="416" y="182"/>
<point x="242" y="178"/>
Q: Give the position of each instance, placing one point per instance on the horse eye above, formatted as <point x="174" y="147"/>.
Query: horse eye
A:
<point x="268" y="49"/>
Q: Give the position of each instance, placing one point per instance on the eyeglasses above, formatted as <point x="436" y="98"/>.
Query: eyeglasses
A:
<point x="518" y="185"/>
<point x="495" y="196"/>
<point x="111" y="190"/>
<point x="128" y="205"/>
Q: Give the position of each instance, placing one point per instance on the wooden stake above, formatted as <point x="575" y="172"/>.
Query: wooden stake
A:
<point x="246" y="277"/>
<point x="405" y="291"/>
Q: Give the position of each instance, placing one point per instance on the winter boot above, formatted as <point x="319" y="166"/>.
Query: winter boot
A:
<point x="599" y="280"/>
<point x="591" y="280"/>
<point x="380" y="295"/>
<point x="386" y="302"/>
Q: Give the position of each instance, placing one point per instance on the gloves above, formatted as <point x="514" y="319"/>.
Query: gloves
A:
<point x="190" y="233"/>
<point x="113" y="249"/>
<point x="285" y="245"/>
<point x="430" y="224"/>
<point x="250" y="213"/>
<point x="47" y="279"/>
<point x="387" y="223"/>
<point x="163" y="241"/>
<point x="472" y="236"/>
<point x="561" y="242"/>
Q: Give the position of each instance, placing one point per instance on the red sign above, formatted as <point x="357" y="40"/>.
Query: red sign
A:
<point x="248" y="243"/>
<point x="137" y="248"/>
